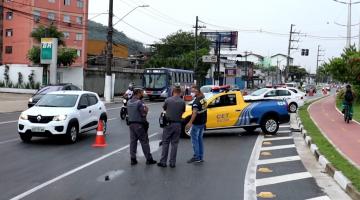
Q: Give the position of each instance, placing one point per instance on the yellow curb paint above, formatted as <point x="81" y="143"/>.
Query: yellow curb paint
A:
<point x="267" y="143"/>
<point x="265" y="153"/>
<point x="266" y="195"/>
<point x="265" y="170"/>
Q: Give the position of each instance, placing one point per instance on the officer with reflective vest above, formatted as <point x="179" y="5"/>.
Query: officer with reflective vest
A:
<point x="137" y="112"/>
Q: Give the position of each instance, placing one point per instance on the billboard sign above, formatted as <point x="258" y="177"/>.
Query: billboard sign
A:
<point x="48" y="50"/>
<point x="228" y="39"/>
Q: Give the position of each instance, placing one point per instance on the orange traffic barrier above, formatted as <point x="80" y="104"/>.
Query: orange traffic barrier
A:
<point x="100" y="138"/>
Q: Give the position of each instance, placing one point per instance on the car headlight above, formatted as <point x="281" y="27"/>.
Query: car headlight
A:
<point x="59" y="118"/>
<point x="124" y="100"/>
<point x="164" y="92"/>
<point x="23" y="116"/>
<point x="31" y="100"/>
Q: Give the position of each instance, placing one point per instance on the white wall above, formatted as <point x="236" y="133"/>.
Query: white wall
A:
<point x="25" y="70"/>
<point x="74" y="75"/>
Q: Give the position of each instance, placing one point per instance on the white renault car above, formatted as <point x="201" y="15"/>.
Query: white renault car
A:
<point x="62" y="113"/>
<point x="294" y="101"/>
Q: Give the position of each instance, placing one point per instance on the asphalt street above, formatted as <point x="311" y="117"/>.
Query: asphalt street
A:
<point x="49" y="168"/>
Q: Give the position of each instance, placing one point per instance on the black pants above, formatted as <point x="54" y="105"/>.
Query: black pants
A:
<point x="138" y="132"/>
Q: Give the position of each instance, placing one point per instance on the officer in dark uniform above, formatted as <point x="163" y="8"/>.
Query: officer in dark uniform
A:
<point x="137" y="112"/>
<point x="174" y="107"/>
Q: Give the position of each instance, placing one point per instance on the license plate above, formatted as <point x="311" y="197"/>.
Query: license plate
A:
<point x="38" y="129"/>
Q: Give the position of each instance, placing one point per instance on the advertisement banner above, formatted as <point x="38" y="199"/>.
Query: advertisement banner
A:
<point x="227" y="39"/>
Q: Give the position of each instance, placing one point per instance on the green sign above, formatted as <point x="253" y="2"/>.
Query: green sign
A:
<point x="46" y="51"/>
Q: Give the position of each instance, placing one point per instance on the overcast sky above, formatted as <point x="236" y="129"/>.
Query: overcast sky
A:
<point x="311" y="17"/>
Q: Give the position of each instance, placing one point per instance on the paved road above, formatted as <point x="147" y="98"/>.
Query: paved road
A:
<point x="48" y="168"/>
<point x="346" y="137"/>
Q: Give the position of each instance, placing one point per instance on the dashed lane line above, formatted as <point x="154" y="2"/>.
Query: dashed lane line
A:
<point x="66" y="174"/>
<point x="278" y="138"/>
<point x="8" y="122"/>
<point x="278" y="160"/>
<point x="278" y="147"/>
<point x="8" y="141"/>
<point x="282" y="179"/>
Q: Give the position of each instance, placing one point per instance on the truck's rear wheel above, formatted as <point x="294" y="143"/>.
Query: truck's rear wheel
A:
<point x="270" y="125"/>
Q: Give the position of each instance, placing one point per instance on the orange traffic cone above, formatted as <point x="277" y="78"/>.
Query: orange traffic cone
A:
<point x="100" y="138"/>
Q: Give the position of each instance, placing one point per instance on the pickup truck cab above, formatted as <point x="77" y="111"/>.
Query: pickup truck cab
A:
<point x="228" y="110"/>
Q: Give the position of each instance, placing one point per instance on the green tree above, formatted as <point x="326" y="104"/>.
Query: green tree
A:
<point x="34" y="55"/>
<point x="66" y="56"/>
<point x="297" y="73"/>
<point x="48" y="32"/>
<point x="177" y="51"/>
<point x="346" y="68"/>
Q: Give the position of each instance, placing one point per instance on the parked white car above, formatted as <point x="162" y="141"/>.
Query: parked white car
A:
<point x="294" y="101"/>
<point x="62" y="113"/>
<point x="297" y="92"/>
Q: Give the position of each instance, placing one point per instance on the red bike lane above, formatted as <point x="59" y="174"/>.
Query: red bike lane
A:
<point x="346" y="137"/>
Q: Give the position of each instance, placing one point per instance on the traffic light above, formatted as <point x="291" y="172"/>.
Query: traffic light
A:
<point x="305" y="52"/>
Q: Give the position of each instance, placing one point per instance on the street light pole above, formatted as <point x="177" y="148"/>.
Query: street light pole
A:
<point x="109" y="55"/>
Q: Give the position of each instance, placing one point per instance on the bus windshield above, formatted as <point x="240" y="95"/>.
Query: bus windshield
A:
<point x="156" y="81"/>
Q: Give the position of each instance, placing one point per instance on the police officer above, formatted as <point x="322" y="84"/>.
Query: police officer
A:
<point x="137" y="112"/>
<point x="174" y="107"/>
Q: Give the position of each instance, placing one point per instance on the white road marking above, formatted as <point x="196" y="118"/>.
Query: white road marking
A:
<point x="278" y="138"/>
<point x="320" y="198"/>
<point x="154" y="146"/>
<point x="284" y="126"/>
<point x="279" y="132"/>
<point x="64" y="175"/>
<point x="11" y="140"/>
<point x="278" y="160"/>
<point x="8" y="122"/>
<point x="278" y="147"/>
<point x="113" y="119"/>
<point x="282" y="179"/>
<point x="250" y="176"/>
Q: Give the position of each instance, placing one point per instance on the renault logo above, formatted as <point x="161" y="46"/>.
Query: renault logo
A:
<point x="38" y="118"/>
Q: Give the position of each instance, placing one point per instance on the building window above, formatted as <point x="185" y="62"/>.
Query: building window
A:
<point x="9" y="32"/>
<point x="66" y="35"/>
<point x="78" y="52"/>
<point x="67" y="18"/>
<point x="67" y="2"/>
<point x="51" y="1"/>
<point x="80" y="3"/>
<point x="9" y="15"/>
<point x="36" y="15"/>
<point x="79" y="36"/>
<point x="8" y="49"/>
<point x="79" y="20"/>
<point x="51" y="16"/>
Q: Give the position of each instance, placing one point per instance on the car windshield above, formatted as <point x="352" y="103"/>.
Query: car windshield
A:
<point x="58" y="100"/>
<point x="156" y="81"/>
<point x="259" y="92"/>
<point x="205" y="89"/>
<point x="48" y="89"/>
<point x="207" y="96"/>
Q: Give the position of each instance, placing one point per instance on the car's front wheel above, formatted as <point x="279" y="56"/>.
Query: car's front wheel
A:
<point x="270" y="125"/>
<point x="72" y="133"/>
<point x="293" y="107"/>
<point x="25" y="137"/>
<point x="185" y="133"/>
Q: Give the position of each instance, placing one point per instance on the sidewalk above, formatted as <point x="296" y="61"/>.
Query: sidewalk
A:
<point x="345" y="137"/>
<point x="10" y="102"/>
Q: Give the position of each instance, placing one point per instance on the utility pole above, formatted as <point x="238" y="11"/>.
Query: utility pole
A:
<point x="107" y="91"/>
<point x="291" y="40"/>
<point x="196" y="43"/>
<point x="319" y="50"/>
<point x="348" y="35"/>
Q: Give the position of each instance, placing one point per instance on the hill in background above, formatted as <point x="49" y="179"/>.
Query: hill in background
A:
<point x="98" y="31"/>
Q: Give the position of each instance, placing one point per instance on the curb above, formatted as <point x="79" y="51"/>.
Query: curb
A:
<point x="328" y="168"/>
